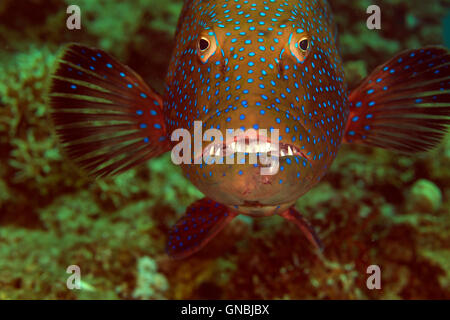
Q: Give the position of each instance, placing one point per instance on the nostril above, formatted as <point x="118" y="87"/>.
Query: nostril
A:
<point x="281" y="69"/>
<point x="224" y="67"/>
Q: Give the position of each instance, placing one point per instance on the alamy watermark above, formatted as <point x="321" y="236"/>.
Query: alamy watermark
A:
<point x="73" y="22"/>
<point x="74" y="280"/>
<point x="374" y="21"/>
<point x="235" y="148"/>
<point x="374" y="280"/>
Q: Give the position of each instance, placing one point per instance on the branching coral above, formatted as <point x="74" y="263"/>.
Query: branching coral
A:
<point x="31" y="148"/>
<point x="150" y="283"/>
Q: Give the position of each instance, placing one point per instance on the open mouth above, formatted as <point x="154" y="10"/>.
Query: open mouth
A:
<point x="252" y="145"/>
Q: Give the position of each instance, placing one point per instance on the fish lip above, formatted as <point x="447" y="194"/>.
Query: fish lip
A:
<point x="282" y="146"/>
<point x="284" y="149"/>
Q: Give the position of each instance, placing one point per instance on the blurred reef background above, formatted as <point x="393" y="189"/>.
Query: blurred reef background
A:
<point x="374" y="207"/>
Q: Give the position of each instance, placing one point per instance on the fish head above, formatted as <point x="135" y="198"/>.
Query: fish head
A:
<point x="270" y="69"/>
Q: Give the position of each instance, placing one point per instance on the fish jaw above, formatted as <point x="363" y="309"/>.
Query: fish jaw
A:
<point x="251" y="143"/>
<point x="256" y="210"/>
<point x="289" y="173"/>
<point x="244" y="188"/>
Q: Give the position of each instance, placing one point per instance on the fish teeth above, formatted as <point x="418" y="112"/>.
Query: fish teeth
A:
<point x="255" y="147"/>
<point x="290" y="153"/>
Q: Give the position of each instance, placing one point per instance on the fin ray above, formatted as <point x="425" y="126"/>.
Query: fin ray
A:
<point x="202" y="222"/>
<point x="404" y="105"/>
<point x="107" y="118"/>
<point x="294" y="216"/>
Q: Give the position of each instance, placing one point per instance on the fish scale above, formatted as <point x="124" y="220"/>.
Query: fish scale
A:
<point x="269" y="65"/>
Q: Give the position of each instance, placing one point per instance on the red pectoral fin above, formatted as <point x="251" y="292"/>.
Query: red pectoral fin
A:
<point x="294" y="216"/>
<point x="203" y="220"/>
<point x="108" y="119"/>
<point x="404" y="105"/>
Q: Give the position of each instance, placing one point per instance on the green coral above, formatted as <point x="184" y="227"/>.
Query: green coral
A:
<point x="425" y="196"/>
<point x="30" y="146"/>
<point x="150" y="283"/>
<point x="113" y="21"/>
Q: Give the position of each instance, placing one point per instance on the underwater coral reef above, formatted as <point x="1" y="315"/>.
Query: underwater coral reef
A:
<point x="374" y="207"/>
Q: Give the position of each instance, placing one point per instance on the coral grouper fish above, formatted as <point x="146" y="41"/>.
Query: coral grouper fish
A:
<point x="253" y="64"/>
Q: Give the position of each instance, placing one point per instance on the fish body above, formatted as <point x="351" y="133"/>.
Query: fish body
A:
<point x="254" y="79"/>
<point x="251" y="65"/>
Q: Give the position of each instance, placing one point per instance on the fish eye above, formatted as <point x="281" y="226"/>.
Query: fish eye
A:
<point x="203" y="44"/>
<point x="303" y="44"/>
<point x="206" y="46"/>
<point x="301" y="48"/>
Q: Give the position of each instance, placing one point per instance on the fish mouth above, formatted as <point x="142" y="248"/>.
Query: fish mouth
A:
<point x="256" y="144"/>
